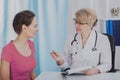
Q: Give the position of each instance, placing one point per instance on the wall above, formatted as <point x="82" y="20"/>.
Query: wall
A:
<point x="102" y="8"/>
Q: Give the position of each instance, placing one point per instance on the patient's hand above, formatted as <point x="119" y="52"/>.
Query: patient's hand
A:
<point x="92" y="71"/>
<point x="55" y="55"/>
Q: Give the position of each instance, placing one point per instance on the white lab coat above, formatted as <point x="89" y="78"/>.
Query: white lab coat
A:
<point x="85" y="57"/>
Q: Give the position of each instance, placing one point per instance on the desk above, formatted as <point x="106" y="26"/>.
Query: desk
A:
<point x="58" y="76"/>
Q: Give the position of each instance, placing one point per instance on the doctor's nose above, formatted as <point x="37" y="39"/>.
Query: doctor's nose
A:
<point x="76" y="26"/>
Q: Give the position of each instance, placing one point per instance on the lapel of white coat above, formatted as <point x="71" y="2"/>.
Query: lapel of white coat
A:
<point x="91" y="41"/>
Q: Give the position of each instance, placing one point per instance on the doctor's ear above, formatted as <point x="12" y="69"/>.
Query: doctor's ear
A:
<point x="95" y="23"/>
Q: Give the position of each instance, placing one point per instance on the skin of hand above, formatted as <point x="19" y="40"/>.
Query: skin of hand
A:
<point x="33" y="75"/>
<point x="55" y="55"/>
<point x="92" y="71"/>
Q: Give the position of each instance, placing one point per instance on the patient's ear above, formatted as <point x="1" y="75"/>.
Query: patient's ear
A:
<point x="24" y="27"/>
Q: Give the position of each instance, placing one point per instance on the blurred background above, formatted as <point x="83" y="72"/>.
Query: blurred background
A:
<point x="55" y="23"/>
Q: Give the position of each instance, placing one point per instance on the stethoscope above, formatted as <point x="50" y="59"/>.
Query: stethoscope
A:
<point x="75" y="41"/>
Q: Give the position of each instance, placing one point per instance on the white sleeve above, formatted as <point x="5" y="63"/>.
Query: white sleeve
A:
<point x="105" y="58"/>
<point x="66" y="55"/>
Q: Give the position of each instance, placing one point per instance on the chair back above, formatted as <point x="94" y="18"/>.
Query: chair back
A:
<point x="112" y="44"/>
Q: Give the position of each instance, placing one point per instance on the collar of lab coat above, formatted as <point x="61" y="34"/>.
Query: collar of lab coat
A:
<point x="90" y="42"/>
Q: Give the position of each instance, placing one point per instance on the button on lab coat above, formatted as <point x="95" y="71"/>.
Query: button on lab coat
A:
<point x="85" y="57"/>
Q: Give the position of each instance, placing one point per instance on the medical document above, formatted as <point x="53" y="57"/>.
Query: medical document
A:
<point x="78" y="70"/>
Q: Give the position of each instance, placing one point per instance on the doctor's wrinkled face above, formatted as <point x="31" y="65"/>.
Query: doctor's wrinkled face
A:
<point x="85" y="18"/>
<point x="81" y="26"/>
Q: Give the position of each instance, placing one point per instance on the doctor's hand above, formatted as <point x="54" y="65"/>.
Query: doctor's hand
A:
<point x="92" y="71"/>
<point x="59" y="60"/>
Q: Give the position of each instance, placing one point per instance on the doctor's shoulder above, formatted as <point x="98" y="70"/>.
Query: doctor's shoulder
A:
<point x="68" y="42"/>
<point x="103" y="38"/>
<point x="67" y="46"/>
<point x="103" y="35"/>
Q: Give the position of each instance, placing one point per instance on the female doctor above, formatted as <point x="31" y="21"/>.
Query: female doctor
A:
<point x="88" y="48"/>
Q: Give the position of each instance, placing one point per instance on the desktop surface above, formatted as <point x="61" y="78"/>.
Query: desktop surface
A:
<point x="59" y="76"/>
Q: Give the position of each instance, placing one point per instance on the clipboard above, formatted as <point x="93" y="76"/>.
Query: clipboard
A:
<point x="76" y="71"/>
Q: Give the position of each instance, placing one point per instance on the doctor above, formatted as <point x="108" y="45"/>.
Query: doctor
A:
<point x="87" y="48"/>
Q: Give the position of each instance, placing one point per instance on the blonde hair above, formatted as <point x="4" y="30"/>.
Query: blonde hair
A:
<point x="87" y="16"/>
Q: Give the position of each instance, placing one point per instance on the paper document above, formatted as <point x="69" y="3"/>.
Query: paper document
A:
<point x="78" y="70"/>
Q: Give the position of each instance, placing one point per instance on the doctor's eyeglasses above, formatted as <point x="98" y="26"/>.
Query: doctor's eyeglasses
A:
<point x="76" y="22"/>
